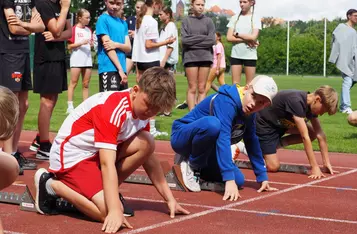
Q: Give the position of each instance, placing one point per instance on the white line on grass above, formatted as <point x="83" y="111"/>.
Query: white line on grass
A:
<point x="250" y="211"/>
<point x="214" y="210"/>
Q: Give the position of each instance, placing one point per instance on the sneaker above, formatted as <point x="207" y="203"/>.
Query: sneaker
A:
<point x="24" y="163"/>
<point x="128" y="211"/>
<point x="44" y="203"/>
<point x="69" y="110"/>
<point x="182" y="106"/>
<point x="164" y="114"/>
<point x="347" y="111"/>
<point x="35" y="144"/>
<point x="237" y="149"/>
<point x="190" y="178"/>
<point x="157" y="133"/>
<point x="43" y="151"/>
<point x="63" y="206"/>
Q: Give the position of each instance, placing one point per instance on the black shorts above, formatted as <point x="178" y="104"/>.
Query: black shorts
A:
<point x="110" y="81"/>
<point x="199" y="64"/>
<point x="269" y="141"/>
<point x="15" y="71"/>
<point x="245" y="62"/>
<point x="50" y="77"/>
<point x="128" y="56"/>
<point x="145" y="66"/>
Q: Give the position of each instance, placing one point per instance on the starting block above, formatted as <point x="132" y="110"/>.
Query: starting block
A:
<point x="23" y="199"/>
<point x="289" y="168"/>
<point x="174" y="177"/>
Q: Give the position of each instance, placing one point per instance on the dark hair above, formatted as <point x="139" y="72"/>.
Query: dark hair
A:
<point x="220" y="36"/>
<point x="80" y="13"/>
<point x="193" y="1"/>
<point x="350" y="12"/>
<point x="169" y="12"/>
<point x="144" y="8"/>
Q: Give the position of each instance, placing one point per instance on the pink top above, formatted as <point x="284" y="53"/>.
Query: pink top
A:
<point x="219" y="49"/>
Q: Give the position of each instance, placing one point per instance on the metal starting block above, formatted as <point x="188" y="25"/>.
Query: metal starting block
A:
<point x="174" y="177"/>
<point x="299" y="169"/>
<point x="24" y="199"/>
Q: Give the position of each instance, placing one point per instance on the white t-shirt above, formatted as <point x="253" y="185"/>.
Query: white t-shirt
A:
<point x="147" y="31"/>
<point x="244" y="26"/>
<point x="101" y="122"/>
<point x="169" y="31"/>
<point x="81" y="56"/>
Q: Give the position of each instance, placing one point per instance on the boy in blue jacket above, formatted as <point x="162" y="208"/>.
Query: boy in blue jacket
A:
<point x="202" y="139"/>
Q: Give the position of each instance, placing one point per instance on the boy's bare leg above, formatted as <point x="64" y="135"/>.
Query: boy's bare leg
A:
<point x="134" y="153"/>
<point x="9" y="170"/>
<point x="294" y="136"/>
<point x="84" y="205"/>
<point x="352" y="118"/>
<point x="272" y="162"/>
<point x="131" y="155"/>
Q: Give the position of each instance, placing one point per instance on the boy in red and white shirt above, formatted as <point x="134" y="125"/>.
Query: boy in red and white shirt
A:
<point x="100" y="144"/>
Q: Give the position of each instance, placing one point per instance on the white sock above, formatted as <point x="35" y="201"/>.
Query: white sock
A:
<point x="241" y="147"/>
<point x="152" y="125"/>
<point x="70" y="104"/>
<point x="49" y="188"/>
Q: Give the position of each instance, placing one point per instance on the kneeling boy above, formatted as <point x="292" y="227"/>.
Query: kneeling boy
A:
<point x="100" y="144"/>
<point x="289" y="114"/>
<point x="202" y="139"/>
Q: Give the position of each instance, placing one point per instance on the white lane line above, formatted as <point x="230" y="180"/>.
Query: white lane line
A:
<point x="11" y="232"/>
<point x="312" y="186"/>
<point x="295" y="216"/>
<point x="214" y="210"/>
<point x="251" y="211"/>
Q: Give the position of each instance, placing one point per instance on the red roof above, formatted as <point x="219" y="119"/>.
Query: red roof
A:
<point x="217" y="10"/>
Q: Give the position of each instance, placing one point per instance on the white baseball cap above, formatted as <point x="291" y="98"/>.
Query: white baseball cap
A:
<point x="265" y="85"/>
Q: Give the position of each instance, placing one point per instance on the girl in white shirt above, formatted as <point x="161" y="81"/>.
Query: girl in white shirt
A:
<point x="146" y="52"/>
<point x="81" y="57"/>
<point x="243" y="32"/>
<point x="168" y="53"/>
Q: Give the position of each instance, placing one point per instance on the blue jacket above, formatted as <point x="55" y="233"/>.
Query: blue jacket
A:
<point x="227" y="107"/>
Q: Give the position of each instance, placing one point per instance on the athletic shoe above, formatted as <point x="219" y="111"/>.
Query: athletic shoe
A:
<point x="43" y="151"/>
<point x="35" y="144"/>
<point x="64" y="206"/>
<point x="128" y="211"/>
<point x="190" y="178"/>
<point x="156" y="133"/>
<point x="164" y="114"/>
<point x="44" y="202"/>
<point x="347" y="111"/>
<point x="182" y="106"/>
<point x="237" y="149"/>
<point x="69" y="110"/>
<point x="24" y="163"/>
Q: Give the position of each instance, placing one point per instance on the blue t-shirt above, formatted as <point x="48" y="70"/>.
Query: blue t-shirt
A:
<point x="117" y="30"/>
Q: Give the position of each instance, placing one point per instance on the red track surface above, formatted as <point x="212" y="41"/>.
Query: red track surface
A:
<point x="300" y="206"/>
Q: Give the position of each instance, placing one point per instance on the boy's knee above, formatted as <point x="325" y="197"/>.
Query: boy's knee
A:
<point x="147" y="142"/>
<point x="213" y="125"/>
<point x="273" y="166"/>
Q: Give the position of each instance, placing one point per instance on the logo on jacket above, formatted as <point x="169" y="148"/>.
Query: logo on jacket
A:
<point x="17" y="76"/>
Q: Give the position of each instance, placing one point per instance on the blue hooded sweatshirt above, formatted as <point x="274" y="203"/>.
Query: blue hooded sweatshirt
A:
<point x="227" y="107"/>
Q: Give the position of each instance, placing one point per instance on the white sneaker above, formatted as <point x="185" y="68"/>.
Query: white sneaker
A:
<point x="347" y="111"/>
<point x="238" y="149"/>
<point x="156" y="133"/>
<point x="189" y="179"/>
<point x="69" y="110"/>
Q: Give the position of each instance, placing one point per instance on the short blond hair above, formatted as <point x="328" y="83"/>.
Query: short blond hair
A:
<point x="160" y="87"/>
<point x="9" y="113"/>
<point x="329" y="98"/>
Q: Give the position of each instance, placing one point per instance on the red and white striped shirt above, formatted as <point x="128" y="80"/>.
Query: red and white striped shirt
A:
<point x="101" y="122"/>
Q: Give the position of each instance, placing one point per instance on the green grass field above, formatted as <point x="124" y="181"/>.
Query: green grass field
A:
<point x="341" y="136"/>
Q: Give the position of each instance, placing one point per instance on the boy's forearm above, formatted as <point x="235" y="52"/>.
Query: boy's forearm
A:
<point x="65" y="35"/>
<point x="324" y="150"/>
<point x="309" y="152"/>
<point x="114" y="58"/>
<point x="35" y="27"/>
<point x="110" y="187"/>
<point x="123" y="47"/>
<point x="153" y="168"/>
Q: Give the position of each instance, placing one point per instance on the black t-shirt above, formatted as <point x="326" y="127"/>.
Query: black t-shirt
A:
<point x="279" y="116"/>
<point x="48" y="51"/>
<point x="11" y="43"/>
